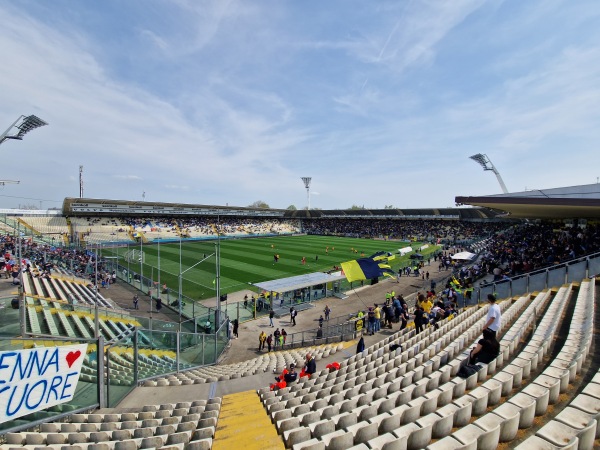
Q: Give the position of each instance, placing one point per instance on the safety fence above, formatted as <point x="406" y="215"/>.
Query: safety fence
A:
<point x="571" y="271"/>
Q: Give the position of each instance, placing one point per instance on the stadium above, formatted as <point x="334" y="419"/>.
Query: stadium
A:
<point x="146" y="296"/>
<point x="403" y="304"/>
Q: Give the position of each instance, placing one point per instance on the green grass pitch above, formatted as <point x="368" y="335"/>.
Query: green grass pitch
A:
<point x="246" y="261"/>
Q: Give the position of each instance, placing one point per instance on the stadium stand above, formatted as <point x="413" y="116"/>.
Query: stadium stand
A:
<point x="47" y="225"/>
<point x="99" y="230"/>
<point x="380" y="400"/>
<point x="180" y="425"/>
<point x="409" y="398"/>
<point x="271" y="362"/>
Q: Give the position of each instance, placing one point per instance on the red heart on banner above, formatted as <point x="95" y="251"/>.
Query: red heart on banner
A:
<point x="72" y="357"/>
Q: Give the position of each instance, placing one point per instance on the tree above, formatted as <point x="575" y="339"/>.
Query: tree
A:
<point x="259" y="204"/>
<point x="357" y="207"/>
<point x="292" y="208"/>
<point x="388" y="207"/>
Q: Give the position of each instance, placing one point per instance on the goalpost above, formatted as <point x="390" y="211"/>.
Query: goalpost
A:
<point x="135" y="256"/>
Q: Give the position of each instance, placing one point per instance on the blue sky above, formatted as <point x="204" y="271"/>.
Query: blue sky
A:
<point x="230" y="102"/>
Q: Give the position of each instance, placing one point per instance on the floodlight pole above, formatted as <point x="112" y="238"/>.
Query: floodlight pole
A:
<point x="159" y="287"/>
<point x="142" y="266"/>
<point x="485" y="162"/>
<point x="96" y="313"/>
<point x="27" y="124"/>
<point x="218" y="276"/>
<point x="22" y="300"/>
<point x="307" y="181"/>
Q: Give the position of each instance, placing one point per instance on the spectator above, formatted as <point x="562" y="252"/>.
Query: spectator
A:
<point x="262" y="338"/>
<point x="486" y="349"/>
<point x="276" y="336"/>
<point x="371" y="321"/>
<point x="494" y="316"/>
<point x="310" y="366"/>
<point x="291" y="375"/>
<point x="420" y="319"/>
<point x="294" y="314"/>
<point x="360" y="347"/>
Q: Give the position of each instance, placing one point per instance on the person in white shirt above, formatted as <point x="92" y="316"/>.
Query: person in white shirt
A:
<point x="494" y="316"/>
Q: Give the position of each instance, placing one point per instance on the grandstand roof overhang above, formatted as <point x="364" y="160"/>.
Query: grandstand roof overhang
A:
<point x="559" y="203"/>
<point x="91" y="206"/>
<point x="298" y="282"/>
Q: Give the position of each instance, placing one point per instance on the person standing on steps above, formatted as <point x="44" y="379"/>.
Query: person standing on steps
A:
<point x="276" y="337"/>
<point x="262" y="338"/>
<point x="494" y="316"/>
<point x="419" y="319"/>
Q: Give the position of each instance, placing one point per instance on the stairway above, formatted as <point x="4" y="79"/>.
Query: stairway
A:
<point x="244" y="424"/>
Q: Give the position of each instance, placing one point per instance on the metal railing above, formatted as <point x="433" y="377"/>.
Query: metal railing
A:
<point x="567" y="272"/>
<point x="147" y="354"/>
<point x="90" y="391"/>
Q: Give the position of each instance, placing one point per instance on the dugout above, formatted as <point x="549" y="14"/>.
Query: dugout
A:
<point x="298" y="291"/>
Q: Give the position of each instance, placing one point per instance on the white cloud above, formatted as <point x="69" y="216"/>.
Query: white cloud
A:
<point x="231" y="102"/>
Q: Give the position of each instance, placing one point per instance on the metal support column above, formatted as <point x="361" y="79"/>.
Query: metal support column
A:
<point x="102" y="388"/>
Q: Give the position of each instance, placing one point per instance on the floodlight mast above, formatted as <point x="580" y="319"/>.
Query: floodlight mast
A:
<point x="24" y="124"/>
<point x="306" y="181"/>
<point x="485" y="162"/>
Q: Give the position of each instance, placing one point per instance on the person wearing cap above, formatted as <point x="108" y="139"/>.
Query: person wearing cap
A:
<point x="494" y="316"/>
<point x="291" y="375"/>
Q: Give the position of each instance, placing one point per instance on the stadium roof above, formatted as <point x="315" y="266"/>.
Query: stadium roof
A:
<point x="394" y="213"/>
<point x="558" y="203"/>
<point x="298" y="282"/>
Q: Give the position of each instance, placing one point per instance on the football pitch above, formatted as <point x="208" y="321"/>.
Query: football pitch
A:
<point x="251" y="260"/>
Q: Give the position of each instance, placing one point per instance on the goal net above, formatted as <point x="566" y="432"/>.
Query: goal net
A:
<point x="135" y="256"/>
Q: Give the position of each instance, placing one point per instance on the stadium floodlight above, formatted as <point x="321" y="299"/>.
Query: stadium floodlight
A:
<point x="306" y="181"/>
<point x="24" y="124"/>
<point x="485" y="162"/>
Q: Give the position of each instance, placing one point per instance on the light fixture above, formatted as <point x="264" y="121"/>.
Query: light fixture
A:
<point x="24" y="124"/>
<point x="485" y="162"/>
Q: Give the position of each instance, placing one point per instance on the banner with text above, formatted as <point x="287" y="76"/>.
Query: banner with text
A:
<point x="36" y="379"/>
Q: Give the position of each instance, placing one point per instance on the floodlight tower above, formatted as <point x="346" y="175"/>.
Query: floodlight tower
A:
<point x="485" y="162"/>
<point x="24" y="125"/>
<point x="306" y="181"/>
<point x="80" y="181"/>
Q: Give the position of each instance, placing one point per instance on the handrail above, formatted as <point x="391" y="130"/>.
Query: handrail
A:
<point x="545" y="269"/>
<point x="534" y="275"/>
<point x="47" y="337"/>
